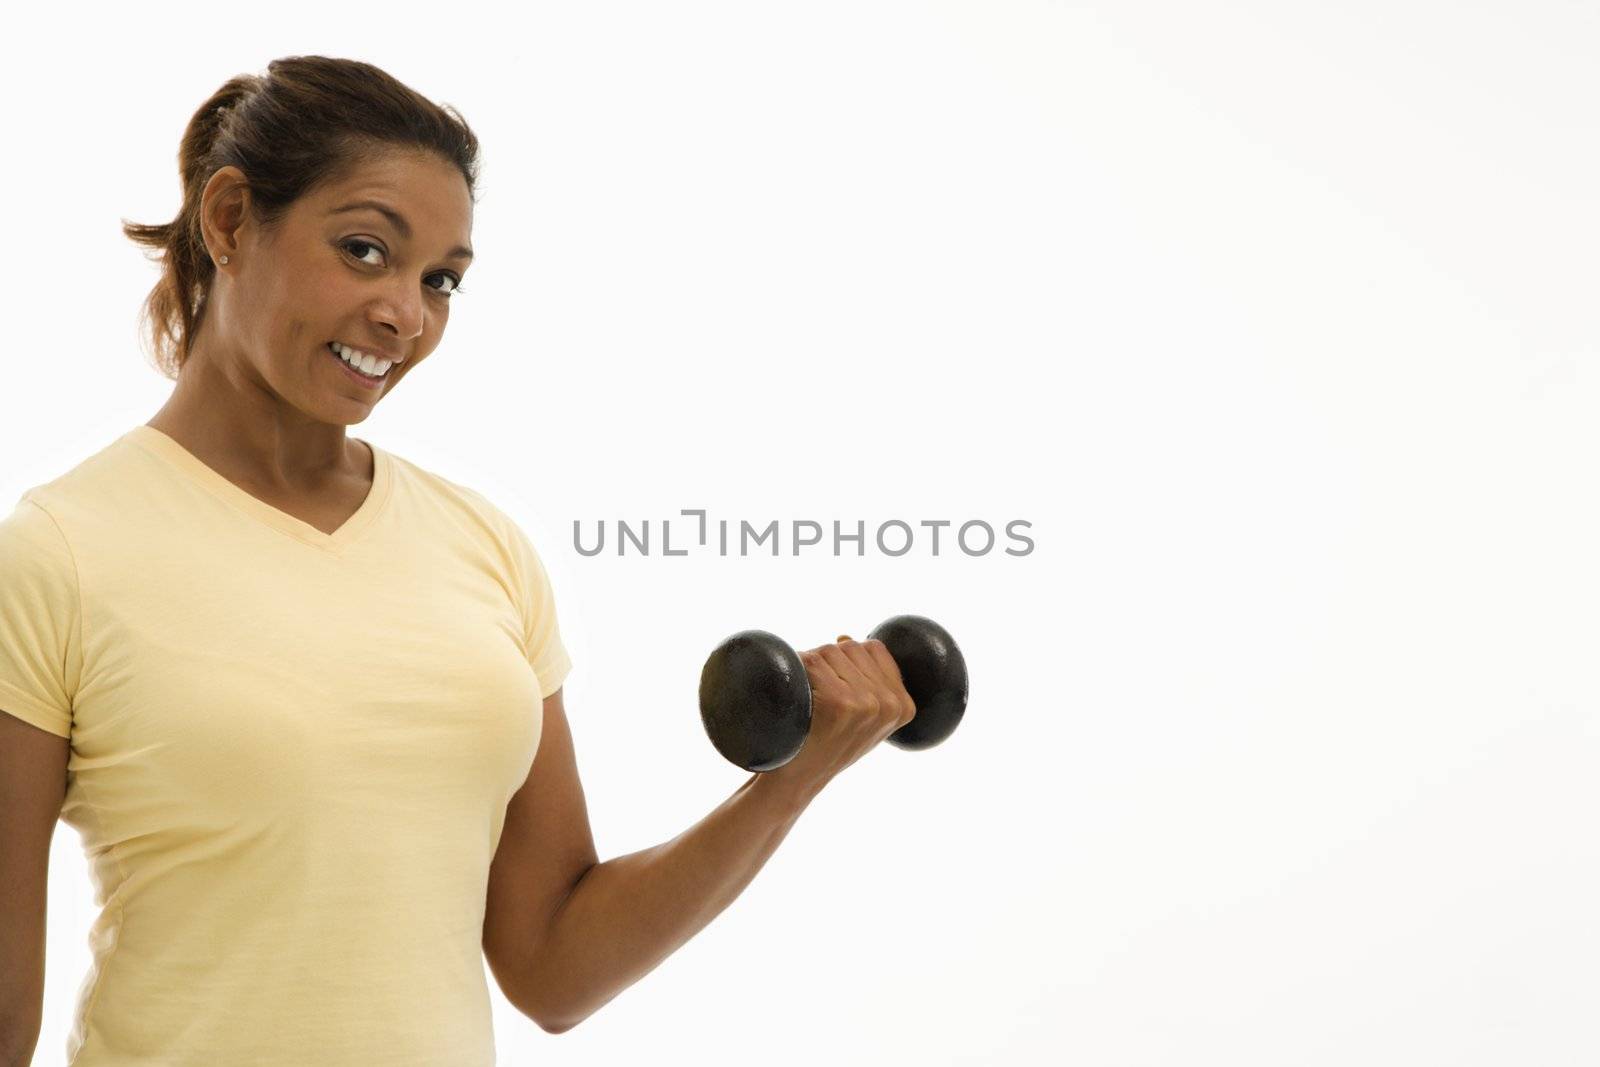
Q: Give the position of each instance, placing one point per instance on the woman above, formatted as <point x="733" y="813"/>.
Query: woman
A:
<point x="286" y="685"/>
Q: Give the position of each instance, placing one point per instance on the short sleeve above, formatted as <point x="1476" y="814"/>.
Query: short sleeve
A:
<point x="41" y="631"/>
<point x="540" y="629"/>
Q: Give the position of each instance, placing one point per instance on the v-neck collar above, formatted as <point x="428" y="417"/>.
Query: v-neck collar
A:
<point x="189" y="464"/>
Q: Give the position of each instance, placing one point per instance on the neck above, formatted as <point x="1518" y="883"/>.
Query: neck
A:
<point x="223" y="412"/>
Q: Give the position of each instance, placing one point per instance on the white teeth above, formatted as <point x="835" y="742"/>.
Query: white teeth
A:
<point x="371" y="366"/>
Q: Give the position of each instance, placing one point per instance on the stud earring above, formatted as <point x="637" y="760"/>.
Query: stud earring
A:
<point x="223" y="261"/>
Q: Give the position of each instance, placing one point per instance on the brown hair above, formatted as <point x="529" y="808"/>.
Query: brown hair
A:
<point x="309" y="120"/>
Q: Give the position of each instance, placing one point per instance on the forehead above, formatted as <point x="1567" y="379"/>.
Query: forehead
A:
<point x="428" y="191"/>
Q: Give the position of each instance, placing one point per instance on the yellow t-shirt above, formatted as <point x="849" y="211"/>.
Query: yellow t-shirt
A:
<point x="291" y="752"/>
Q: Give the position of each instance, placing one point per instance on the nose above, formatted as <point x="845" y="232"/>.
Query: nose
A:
<point x="401" y="310"/>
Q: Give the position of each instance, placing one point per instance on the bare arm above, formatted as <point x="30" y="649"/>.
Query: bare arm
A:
<point x="33" y="783"/>
<point x="626" y="915"/>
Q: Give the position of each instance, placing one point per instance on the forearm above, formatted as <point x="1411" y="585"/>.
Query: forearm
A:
<point x="628" y="914"/>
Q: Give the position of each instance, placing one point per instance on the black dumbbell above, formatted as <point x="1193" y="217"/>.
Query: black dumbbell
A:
<point x="755" y="697"/>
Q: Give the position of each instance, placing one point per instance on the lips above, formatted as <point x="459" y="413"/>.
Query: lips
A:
<point x="353" y="366"/>
<point x="366" y="380"/>
<point x="375" y="351"/>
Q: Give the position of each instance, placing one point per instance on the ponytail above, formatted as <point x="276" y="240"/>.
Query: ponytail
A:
<point x="172" y="311"/>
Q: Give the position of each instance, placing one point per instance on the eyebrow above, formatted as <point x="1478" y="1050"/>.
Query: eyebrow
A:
<point x="398" y="221"/>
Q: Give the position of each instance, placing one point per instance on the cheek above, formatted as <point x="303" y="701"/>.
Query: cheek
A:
<point x="306" y="320"/>
<point x="324" y="286"/>
<point x="287" y="305"/>
<point x="319" y="304"/>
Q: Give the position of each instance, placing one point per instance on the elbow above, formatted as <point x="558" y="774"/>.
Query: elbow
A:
<point x="543" y="1020"/>
<point x="556" y="1028"/>
<point x="548" y="1021"/>
<point x="550" y="1024"/>
<point x="515" y="985"/>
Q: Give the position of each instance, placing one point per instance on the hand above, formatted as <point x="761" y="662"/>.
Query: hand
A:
<point x="857" y="699"/>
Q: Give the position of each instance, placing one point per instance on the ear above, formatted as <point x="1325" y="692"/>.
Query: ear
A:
<point x="224" y="212"/>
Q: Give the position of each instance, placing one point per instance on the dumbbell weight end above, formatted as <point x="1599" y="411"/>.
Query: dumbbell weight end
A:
<point x="755" y="700"/>
<point x="935" y="676"/>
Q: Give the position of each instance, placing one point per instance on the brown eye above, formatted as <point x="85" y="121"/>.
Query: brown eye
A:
<point x="455" y="285"/>
<point x="357" y="243"/>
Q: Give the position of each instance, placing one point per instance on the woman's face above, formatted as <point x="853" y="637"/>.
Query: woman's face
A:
<point x="336" y="267"/>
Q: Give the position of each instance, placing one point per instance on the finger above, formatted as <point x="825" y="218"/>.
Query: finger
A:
<point x="860" y="654"/>
<point x="873" y="694"/>
<point x="880" y="655"/>
<point x="848" y="672"/>
<point x="872" y="658"/>
<point x="819" y="670"/>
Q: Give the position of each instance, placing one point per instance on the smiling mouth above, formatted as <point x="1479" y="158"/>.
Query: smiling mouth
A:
<point x="374" y="378"/>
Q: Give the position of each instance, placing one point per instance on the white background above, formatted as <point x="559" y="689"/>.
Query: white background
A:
<point x="1277" y="322"/>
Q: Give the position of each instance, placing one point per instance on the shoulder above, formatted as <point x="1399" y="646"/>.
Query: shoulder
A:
<point x="448" y="491"/>
<point x="30" y="537"/>
<point x="101" y="501"/>
<point x="94" y="484"/>
<point x="468" y="506"/>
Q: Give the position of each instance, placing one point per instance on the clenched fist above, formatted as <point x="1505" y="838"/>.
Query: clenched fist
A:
<point x="857" y="700"/>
